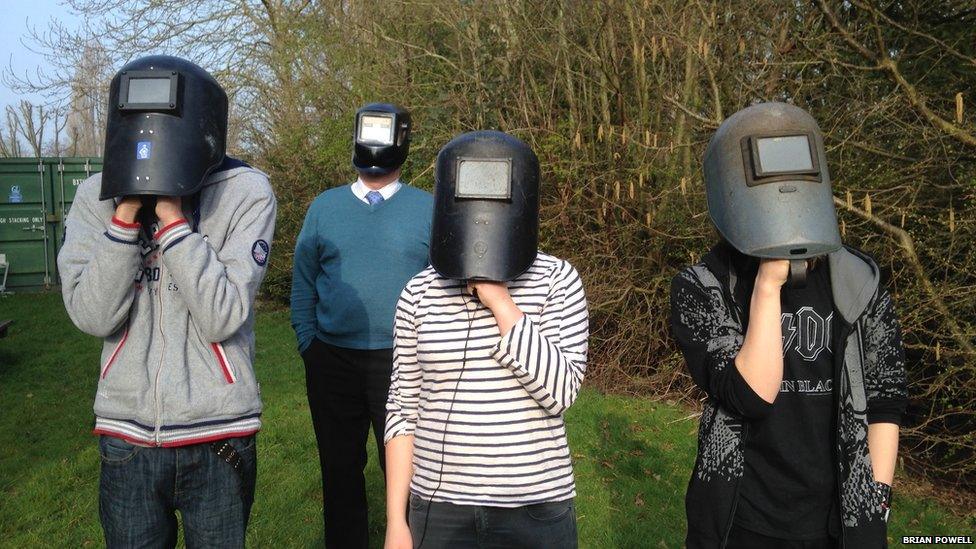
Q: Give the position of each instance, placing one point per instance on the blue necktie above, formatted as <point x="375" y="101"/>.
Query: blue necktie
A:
<point x="374" y="198"/>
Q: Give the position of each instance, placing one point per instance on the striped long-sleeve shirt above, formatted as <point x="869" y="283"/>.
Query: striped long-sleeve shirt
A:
<point x="486" y="411"/>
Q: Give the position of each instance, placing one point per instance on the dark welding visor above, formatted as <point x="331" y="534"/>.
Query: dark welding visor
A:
<point x="376" y="128"/>
<point x="149" y="91"/>
<point x="780" y="157"/>
<point x="484" y="178"/>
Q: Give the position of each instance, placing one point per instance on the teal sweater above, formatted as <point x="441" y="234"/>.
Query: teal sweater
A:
<point x="351" y="262"/>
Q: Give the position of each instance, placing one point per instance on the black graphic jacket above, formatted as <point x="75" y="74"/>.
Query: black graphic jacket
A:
<point x="709" y="310"/>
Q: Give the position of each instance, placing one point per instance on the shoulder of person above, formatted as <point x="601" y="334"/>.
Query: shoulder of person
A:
<point x="332" y="194"/>
<point x="556" y="269"/>
<point x="86" y="195"/>
<point x="697" y="276"/>
<point x="328" y="197"/>
<point x="689" y="273"/>
<point x="90" y="188"/>
<point x="417" y="193"/>
<point x="247" y="183"/>
<point x="420" y="282"/>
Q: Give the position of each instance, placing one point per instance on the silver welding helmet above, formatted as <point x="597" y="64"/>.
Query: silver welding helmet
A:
<point x="767" y="184"/>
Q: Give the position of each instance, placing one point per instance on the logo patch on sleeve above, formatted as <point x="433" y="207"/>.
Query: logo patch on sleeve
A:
<point x="260" y="251"/>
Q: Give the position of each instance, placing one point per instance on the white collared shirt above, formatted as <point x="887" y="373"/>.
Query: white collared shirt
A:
<point x="386" y="191"/>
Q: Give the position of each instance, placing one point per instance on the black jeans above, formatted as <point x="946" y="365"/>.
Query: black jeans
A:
<point x="140" y="490"/>
<point x="347" y="392"/>
<point x="444" y="525"/>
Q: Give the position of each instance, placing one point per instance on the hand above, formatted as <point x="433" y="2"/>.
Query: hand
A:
<point x="773" y="273"/>
<point x="128" y="208"/>
<point x="495" y="296"/>
<point x="398" y="536"/>
<point x="491" y="294"/>
<point x="169" y="209"/>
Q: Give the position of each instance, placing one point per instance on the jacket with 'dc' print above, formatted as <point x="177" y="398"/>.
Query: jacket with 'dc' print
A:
<point x="709" y="310"/>
<point x="175" y="307"/>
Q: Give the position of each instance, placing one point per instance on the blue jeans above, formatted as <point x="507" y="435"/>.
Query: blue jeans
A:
<point x="141" y="489"/>
<point x="445" y="525"/>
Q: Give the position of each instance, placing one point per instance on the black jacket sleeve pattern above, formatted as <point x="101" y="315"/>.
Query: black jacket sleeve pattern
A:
<point x="710" y="335"/>
<point x="884" y="363"/>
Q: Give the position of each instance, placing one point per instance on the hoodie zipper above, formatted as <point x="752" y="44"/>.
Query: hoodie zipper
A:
<point x="841" y="371"/>
<point x="734" y="307"/>
<point x="735" y="493"/>
<point x="162" y="349"/>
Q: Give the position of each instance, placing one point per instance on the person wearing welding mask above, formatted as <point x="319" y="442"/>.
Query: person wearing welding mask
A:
<point x="796" y="344"/>
<point x="490" y="351"/>
<point x="163" y="256"/>
<point x="359" y="245"/>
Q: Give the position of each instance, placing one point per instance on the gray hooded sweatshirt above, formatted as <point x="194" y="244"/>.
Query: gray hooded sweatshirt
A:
<point x="175" y="306"/>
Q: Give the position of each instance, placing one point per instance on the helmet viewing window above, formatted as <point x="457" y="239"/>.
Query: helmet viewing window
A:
<point x="376" y="128"/>
<point x="149" y="91"/>
<point x="780" y="157"/>
<point x="484" y="178"/>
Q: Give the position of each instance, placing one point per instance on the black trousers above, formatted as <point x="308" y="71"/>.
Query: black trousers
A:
<point x="740" y="538"/>
<point x="347" y="392"/>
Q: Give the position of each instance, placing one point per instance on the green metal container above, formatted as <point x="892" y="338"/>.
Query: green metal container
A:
<point x="35" y="195"/>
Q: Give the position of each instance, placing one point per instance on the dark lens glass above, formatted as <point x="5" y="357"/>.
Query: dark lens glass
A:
<point x="784" y="154"/>
<point x="484" y="178"/>
<point x="148" y="90"/>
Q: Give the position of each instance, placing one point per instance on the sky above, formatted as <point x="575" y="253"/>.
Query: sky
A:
<point x="16" y="16"/>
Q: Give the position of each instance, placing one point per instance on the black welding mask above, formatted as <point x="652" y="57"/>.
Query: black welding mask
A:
<point x="486" y="208"/>
<point x="167" y="128"/>
<point x="381" y="138"/>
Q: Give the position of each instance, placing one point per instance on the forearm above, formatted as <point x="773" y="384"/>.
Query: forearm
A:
<point x="218" y="303"/>
<point x="97" y="272"/>
<point x="399" y="471"/>
<point x="551" y="374"/>
<point x="883" y="446"/>
<point x="760" y="360"/>
<point x="506" y="314"/>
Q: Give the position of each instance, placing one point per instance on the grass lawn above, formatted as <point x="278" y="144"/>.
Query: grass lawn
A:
<point x="633" y="456"/>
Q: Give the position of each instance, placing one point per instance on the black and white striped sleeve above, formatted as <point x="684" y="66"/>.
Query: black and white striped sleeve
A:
<point x="549" y="358"/>
<point x="404" y="396"/>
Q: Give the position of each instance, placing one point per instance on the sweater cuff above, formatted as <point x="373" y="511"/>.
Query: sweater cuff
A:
<point x="887" y="410"/>
<point x="506" y="352"/>
<point x="396" y="426"/>
<point x="751" y="405"/>
<point x="172" y="233"/>
<point x="121" y="231"/>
